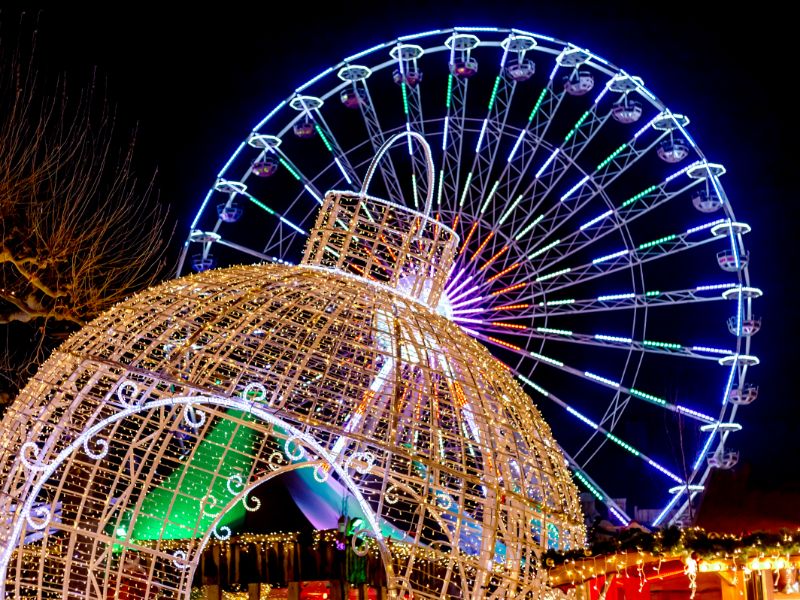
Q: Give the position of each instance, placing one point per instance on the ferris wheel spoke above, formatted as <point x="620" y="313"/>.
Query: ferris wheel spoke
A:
<point x="620" y="301"/>
<point x="580" y="194"/>
<point x="590" y="484"/>
<point x="601" y="430"/>
<point x="657" y="249"/>
<point x="408" y="76"/>
<point x="339" y="157"/>
<point x="482" y="192"/>
<point x="602" y="340"/>
<point x="606" y="382"/>
<point x="359" y="95"/>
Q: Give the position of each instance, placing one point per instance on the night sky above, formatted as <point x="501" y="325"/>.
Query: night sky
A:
<point x="196" y="81"/>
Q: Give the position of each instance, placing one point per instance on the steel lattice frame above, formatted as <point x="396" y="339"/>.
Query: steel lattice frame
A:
<point x="601" y="259"/>
<point x="158" y="419"/>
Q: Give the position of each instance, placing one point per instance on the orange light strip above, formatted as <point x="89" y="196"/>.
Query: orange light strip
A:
<point x="511" y="306"/>
<point x="503" y="272"/>
<point x="491" y="260"/>
<point x="469" y="235"/>
<point x="483" y="245"/>
<point x="455" y="221"/>
<point x="508" y="289"/>
<point x="502" y="343"/>
<point x="509" y="325"/>
<point x="389" y="248"/>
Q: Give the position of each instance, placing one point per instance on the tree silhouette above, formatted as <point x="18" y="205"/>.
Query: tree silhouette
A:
<point x="80" y="231"/>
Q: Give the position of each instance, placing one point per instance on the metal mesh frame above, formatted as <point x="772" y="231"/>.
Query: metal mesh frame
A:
<point x="272" y="368"/>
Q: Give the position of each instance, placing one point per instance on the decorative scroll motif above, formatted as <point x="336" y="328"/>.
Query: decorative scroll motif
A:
<point x="321" y="472"/>
<point x="275" y="460"/>
<point x="39" y="517"/>
<point x="364" y="461"/>
<point x="443" y="500"/>
<point x="209" y="502"/>
<point x="298" y="453"/>
<point x="193" y="417"/>
<point x="391" y="496"/>
<point x="222" y="533"/>
<point x="236" y="483"/>
<point x="254" y="392"/>
<point x="101" y="443"/>
<point x="128" y="394"/>
<point x="359" y="542"/>
<point x="30" y="455"/>
<point x="180" y="559"/>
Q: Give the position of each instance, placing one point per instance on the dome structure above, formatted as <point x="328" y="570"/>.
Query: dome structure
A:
<point x="159" y="418"/>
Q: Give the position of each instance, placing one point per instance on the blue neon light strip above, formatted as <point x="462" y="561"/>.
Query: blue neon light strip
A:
<point x="231" y="159"/>
<point x="605" y="380"/>
<point x="480" y="137"/>
<point x="547" y="163"/>
<point x="575" y="187"/>
<point x="716" y="286"/>
<point x="610" y="256"/>
<point x="419" y="35"/>
<point x="270" y="115"/>
<point x="516" y="145"/>
<point x="365" y="52"/>
<point x="313" y="80"/>
<point x="608" y="213"/>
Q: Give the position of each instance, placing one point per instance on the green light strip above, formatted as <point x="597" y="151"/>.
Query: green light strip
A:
<point x="627" y="447"/>
<point x="529" y="227"/>
<point x="494" y="92"/>
<point x="661" y="344"/>
<point x="638" y="196"/>
<point x="294" y="173"/>
<point x="556" y="331"/>
<point x="441" y="184"/>
<point x="577" y="125"/>
<point x="414" y="187"/>
<point x="611" y="157"/>
<point x="538" y="388"/>
<point x="490" y="196"/>
<point x="405" y="97"/>
<point x="466" y="189"/>
<point x="510" y="210"/>
<point x="537" y="105"/>
<point x="588" y="485"/>
<point x="547" y="359"/>
<point x="653" y="293"/>
<point x="545" y="249"/>
<point x="666" y="238"/>
<point x="554" y="274"/>
<point x="648" y="397"/>
<point x="449" y="91"/>
<point x="324" y="139"/>
<point x="260" y="204"/>
<point x="557" y="302"/>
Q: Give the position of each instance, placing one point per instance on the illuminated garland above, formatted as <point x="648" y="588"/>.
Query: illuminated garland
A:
<point x="708" y="551"/>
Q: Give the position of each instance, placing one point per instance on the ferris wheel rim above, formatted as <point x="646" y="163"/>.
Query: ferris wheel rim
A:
<point x="567" y="54"/>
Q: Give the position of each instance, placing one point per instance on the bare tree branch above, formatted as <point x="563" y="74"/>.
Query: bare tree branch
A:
<point x="80" y="231"/>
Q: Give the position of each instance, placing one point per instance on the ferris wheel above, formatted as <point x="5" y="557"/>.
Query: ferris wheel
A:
<point x="599" y="255"/>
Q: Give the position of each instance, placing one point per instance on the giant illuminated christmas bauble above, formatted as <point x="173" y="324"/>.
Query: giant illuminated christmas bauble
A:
<point x="158" y="419"/>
